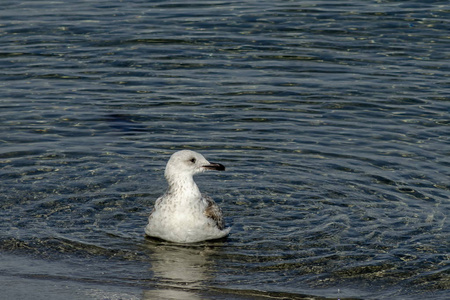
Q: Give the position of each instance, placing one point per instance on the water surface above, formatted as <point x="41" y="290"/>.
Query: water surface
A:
<point x="331" y="118"/>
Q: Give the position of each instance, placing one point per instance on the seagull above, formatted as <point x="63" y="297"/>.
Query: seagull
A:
<point x="183" y="214"/>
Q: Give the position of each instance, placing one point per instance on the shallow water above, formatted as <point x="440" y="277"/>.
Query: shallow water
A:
<point x="331" y="118"/>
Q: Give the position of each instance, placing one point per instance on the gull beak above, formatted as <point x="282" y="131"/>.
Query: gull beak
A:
<point x="214" y="166"/>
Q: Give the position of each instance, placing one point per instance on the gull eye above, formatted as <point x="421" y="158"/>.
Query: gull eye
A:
<point x="193" y="160"/>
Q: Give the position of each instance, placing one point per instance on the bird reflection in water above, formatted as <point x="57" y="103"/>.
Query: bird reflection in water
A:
<point x="179" y="270"/>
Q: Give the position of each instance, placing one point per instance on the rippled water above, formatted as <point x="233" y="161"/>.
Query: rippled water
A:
<point x="332" y="119"/>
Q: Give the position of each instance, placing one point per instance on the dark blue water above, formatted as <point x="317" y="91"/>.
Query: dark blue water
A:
<point x="332" y="118"/>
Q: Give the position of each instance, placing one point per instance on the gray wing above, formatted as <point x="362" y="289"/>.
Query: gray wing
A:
<point x="214" y="212"/>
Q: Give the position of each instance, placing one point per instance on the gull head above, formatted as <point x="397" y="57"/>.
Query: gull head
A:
<point x="189" y="163"/>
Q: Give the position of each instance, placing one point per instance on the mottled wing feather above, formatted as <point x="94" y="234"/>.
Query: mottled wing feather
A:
<point x="157" y="202"/>
<point x="214" y="212"/>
